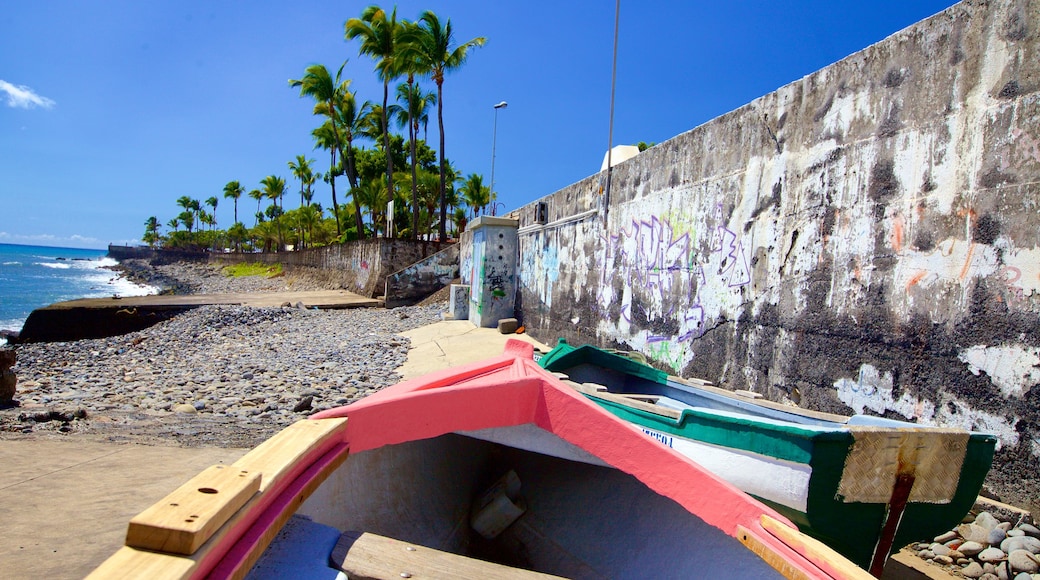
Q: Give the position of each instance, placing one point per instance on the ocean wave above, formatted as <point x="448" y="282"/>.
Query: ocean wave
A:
<point x="12" y="263"/>
<point x="55" y="265"/>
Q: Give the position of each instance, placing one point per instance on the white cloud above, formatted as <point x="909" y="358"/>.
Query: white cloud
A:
<point x="73" y="241"/>
<point x="23" y="97"/>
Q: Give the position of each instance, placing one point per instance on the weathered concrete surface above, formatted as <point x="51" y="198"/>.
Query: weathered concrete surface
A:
<point x="419" y="280"/>
<point x="493" y="277"/>
<point x="361" y="267"/>
<point x="103" y="317"/>
<point x="864" y="239"/>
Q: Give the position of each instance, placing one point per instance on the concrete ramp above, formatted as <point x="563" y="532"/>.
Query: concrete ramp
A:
<point x="104" y="317"/>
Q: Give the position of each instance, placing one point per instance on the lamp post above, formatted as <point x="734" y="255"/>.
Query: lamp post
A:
<point x="494" y="139"/>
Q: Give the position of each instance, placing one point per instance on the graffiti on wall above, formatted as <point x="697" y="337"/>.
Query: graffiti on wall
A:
<point x="670" y="283"/>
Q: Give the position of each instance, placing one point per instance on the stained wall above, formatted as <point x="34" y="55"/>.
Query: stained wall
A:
<point x="865" y="239"/>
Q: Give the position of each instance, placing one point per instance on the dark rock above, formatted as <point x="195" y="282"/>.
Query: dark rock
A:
<point x="303" y="405"/>
<point x="508" y="325"/>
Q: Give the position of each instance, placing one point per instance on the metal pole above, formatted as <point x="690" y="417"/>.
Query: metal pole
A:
<point x="613" y="84"/>
<point x="494" y="142"/>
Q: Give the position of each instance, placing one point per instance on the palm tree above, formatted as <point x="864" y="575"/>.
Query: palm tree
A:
<point x="379" y="36"/>
<point x="437" y="55"/>
<point x="318" y="84"/>
<point x="301" y="169"/>
<point x="476" y="194"/>
<point x="274" y="189"/>
<point x="351" y="119"/>
<point x="416" y="103"/>
<point x="173" y="224"/>
<point x="257" y="195"/>
<point x="212" y="202"/>
<point x="234" y="190"/>
<point x="151" y="231"/>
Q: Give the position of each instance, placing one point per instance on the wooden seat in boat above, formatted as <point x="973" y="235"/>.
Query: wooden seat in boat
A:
<point x="368" y="556"/>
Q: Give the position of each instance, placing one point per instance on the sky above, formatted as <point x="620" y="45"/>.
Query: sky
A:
<point x="111" y="110"/>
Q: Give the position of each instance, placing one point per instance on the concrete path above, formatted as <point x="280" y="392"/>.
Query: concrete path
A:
<point x="324" y="299"/>
<point x="454" y="342"/>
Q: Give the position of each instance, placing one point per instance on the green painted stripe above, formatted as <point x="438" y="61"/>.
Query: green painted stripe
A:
<point x="790" y="443"/>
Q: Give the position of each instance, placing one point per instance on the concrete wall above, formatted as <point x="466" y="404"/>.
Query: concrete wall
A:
<point x="423" y="278"/>
<point x="864" y="239"/>
<point x="360" y="267"/>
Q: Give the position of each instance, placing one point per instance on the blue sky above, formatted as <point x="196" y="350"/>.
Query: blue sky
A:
<point x="111" y="110"/>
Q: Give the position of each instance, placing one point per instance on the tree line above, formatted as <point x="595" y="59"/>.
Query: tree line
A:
<point x="431" y="198"/>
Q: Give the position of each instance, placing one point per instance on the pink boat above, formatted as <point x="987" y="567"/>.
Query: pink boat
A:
<point x="494" y="469"/>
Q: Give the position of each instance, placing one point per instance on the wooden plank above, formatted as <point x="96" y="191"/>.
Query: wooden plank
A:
<point x="191" y="514"/>
<point x="366" y="556"/>
<point x="300" y="494"/>
<point x="636" y="404"/>
<point x="278" y="454"/>
<point x="769" y="555"/>
<point x="815" y="551"/>
<point x="275" y="460"/>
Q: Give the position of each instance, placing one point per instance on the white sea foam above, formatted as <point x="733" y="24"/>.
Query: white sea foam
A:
<point x="12" y="263"/>
<point x="55" y="265"/>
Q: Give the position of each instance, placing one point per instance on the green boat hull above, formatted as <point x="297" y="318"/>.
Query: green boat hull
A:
<point x="823" y="448"/>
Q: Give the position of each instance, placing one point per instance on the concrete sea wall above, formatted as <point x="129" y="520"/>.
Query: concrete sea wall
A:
<point x="361" y="266"/>
<point x="865" y="239"/>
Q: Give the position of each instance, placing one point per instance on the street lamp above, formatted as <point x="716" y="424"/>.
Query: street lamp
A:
<point x="494" y="139"/>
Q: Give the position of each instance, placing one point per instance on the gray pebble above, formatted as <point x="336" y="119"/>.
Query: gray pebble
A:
<point x="991" y="555"/>
<point x="1022" y="561"/>
<point x="972" y="570"/>
<point x="970" y="548"/>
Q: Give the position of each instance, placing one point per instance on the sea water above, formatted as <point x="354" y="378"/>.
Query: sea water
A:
<point x="32" y="277"/>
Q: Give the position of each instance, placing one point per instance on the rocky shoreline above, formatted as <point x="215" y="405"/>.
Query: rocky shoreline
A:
<point x="226" y="376"/>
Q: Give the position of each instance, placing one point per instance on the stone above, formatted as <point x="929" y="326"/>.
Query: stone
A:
<point x="185" y="408"/>
<point x="1030" y="530"/>
<point x="1024" y="576"/>
<point x="973" y="533"/>
<point x="972" y="570"/>
<point x="943" y="538"/>
<point x="996" y="536"/>
<point x="1004" y="526"/>
<point x="970" y="548"/>
<point x="986" y="521"/>
<point x="992" y="555"/>
<point x="1022" y="561"/>
<point x="1015" y="533"/>
<point x="8" y="357"/>
<point x="1021" y="543"/>
<point x="1002" y="571"/>
<point x="508" y="325"/>
<point x="939" y="549"/>
<point x="8" y="386"/>
<point x="925" y="554"/>
<point x="944" y="560"/>
<point x="305" y="404"/>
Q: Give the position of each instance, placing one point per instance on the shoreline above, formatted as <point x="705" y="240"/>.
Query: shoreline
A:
<point x="223" y="376"/>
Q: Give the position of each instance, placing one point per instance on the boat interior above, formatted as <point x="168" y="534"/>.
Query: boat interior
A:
<point x="562" y="512"/>
<point x="675" y="395"/>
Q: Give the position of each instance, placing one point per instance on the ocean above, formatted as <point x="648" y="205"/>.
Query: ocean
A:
<point x="35" y="276"/>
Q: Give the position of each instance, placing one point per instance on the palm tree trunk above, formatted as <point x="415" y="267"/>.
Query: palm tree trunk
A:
<point x="441" y="231"/>
<point x="332" y="182"/>
<point x="352" y="177"/>
<point x="415" y="186"/>
<point x="386" y="144"/>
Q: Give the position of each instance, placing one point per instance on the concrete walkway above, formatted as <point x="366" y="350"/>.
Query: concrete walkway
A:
<point x="323" y="299"/>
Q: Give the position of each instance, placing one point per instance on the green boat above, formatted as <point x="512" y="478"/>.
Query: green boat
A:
<point x="864" y="485"/>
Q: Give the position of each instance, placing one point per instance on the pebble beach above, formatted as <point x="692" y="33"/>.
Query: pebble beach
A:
<point x="227" y="376"/>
